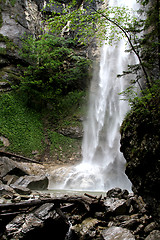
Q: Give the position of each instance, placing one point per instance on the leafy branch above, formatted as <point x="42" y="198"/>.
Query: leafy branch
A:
<point x="131" y="44"/>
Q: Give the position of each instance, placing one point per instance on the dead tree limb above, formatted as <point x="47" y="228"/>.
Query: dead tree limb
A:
<point x="15" y="156"/>
<point x="82" y="203"/>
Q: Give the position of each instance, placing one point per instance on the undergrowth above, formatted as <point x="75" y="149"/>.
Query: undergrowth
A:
<point x="62" y="146"/>
<point x="21" y="125"/>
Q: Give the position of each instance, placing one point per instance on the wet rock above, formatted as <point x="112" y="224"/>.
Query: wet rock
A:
<point x="22" y="224"/>
<point x="154" y="235"/>
<point x="119" y="233"/>
<point x="9" y="166"/>
<point x="150" y="227"/>
<point x="130" y="224"/>
<point x="72" y="132"/>
<point x="10" y="179"/>
<point x="118" y="193"/>
<point x="21" y="190"/>
<point x="43" y="212"/>
<point x="137" y="204"/>
<point x="140" y="144"/>
<point x="87" y="229"/>
<point x="6" y="190"/>
<point x="33" y="182"/>
<point x="116" y="206"/>
<point x="42" y="223"/>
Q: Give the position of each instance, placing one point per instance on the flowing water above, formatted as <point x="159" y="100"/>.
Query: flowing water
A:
<point x="103" y="165"/>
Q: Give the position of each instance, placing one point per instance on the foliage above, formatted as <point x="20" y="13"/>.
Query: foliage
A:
<point x="62" y="146"/>
<point x="21" y="125"/>
<point x="67" y="105"/>
<point x="55" y="69"/>
<point x="146" y="102"/>
<point x="84" y="22"/>
<point x="108" y="23"/>
<point x="1" y="143"/>
<point x="151" y="41"/>
<point x="9" y="44"/>
<point x="1" y="20"/>
<point x="13" y="2"/>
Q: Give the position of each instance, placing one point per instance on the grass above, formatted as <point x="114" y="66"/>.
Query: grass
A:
<point x="25" y="127"/>
<point x="22" y="126"/>
<point x="63" y="147"/>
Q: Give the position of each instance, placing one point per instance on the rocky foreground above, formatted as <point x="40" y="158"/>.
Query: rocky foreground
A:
<point x="26" y="213"/>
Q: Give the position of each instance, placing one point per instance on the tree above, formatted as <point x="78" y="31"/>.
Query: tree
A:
<point x="79" y="22"/>
<point x="55" y="69"/>
<point x="118" y="21"/>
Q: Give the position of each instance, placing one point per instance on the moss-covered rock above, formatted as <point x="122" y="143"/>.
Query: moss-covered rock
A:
<point x="140" y="144"/>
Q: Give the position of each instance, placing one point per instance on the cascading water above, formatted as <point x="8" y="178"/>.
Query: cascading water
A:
<point x="103" y="165"/>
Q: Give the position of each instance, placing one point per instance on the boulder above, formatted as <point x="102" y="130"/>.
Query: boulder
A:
<point x="117" y="193"/>
<point x="43" y="222"/>
<point x="116" y="206"/>
<point x="33" y="182"/>
<point x="154" y="235"/>
<point x="86" y="229"/>
<point x="72" y="132"/>
<point x="117" y="233"/>
<point x="140" y="144"/>
<point x="21" y="190"/>
<point x="6" y="190"/>
<point x="150" y="227"/>
<point x="9" y="166"/>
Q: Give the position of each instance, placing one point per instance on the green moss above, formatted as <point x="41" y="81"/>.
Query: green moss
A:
<point x="2" y="51"/>
<point x="9" y="44"/>
<point x="1" y="20"/>
<point x="61" y="146"/>
<point x="1" y="143"/>
<point x="13" y="2"/>
<point x="21" y="125"/>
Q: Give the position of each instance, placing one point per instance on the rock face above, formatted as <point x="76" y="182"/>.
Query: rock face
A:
<point x="20" y="17"/>
<point x="33" y="182"/>
<point x="140" y="144"/>
<point x="10" y="167"/>
<point x="16" y="18"/>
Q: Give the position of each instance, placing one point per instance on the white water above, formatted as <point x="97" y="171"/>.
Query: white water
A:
<point x="103" y="165"/>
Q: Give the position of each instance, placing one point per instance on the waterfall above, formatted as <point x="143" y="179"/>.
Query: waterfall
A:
<point x="103" y="165"/>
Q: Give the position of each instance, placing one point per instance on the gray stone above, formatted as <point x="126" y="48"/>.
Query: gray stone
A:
<point x="86" y="229"/>
<point x="22" y="224"/>
<point x="43" y="212"/>
<point x="33" y="182"/>
<point x="154" y="235"/>
<point x="10" y="166"/>
<point x="117" y="193"/>
<point x="119" y="233"/>
<point x="150" y="227"/>
<point x="72" y="132"/>
<point x="37" y="225"/>
<point x="116" y="206"/>
<point x="21" y="190"/>
<point x="5" y="189"/>
<point x="130" y="224"/>
<point x="10" y="179"/>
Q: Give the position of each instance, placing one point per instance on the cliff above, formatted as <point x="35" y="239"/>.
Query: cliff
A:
<point x="16" y="18"/>
<point x="140" y="144"/>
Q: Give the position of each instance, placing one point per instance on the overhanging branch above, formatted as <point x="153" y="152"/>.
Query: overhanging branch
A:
<point x="132" y="46"/>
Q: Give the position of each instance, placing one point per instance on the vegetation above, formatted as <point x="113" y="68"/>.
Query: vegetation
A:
<point x="63" y="147"/>
<point x="55" y="70"/>
<point x="21" y="125"/>
<point x="56" y="74"/>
